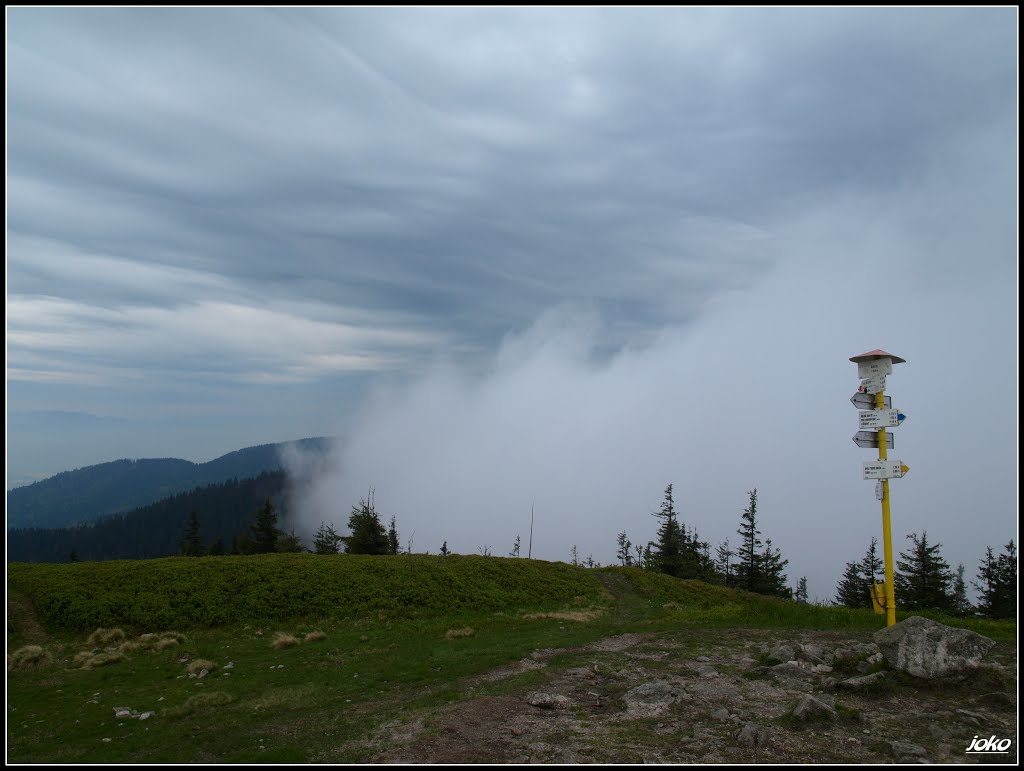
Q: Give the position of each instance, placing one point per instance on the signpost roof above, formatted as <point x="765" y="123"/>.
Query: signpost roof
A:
<point x="878" y="353"/>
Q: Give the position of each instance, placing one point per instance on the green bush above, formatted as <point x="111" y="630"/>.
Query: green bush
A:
<point x="147" y="595"/>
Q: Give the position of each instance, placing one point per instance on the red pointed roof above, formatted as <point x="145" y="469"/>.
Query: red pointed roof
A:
<point x="878" y="353"/>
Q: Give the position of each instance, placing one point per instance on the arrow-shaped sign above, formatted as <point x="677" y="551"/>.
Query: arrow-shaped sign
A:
<point x="889" y="418"/>
<point x="884" y="469"/>
<point x="872" y="385"/>
<point x="870" y="439"/>
<point x="867" y="401"/>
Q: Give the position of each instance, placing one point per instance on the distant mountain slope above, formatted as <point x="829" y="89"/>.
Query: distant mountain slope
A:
<point x="89" y="493"/>
<point x="224" y="509"/>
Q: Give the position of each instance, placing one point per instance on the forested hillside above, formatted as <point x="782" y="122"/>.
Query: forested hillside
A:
<point x="90" y="493"/>
<point x="225" y="511"/>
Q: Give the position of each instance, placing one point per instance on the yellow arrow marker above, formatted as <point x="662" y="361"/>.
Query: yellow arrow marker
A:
<point x="904" y="468"/>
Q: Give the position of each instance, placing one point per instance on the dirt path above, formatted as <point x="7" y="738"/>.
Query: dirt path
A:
<point x="705" y="696"/>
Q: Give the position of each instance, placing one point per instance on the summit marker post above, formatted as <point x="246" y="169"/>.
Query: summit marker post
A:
<point x="872" y="368"/>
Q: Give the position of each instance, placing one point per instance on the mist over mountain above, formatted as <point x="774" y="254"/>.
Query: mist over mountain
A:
<point x="90" y="493"/>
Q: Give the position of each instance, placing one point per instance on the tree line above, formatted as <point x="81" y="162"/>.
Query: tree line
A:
<point x="924" y="581"/>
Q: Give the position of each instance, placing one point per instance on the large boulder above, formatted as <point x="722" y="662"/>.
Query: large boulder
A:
<point x="928" y="649"/>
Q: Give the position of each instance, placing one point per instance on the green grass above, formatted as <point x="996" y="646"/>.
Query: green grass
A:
<point x="387" y="651"/>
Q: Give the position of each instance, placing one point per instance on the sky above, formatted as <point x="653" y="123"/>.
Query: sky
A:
<point x="524" y="258"/>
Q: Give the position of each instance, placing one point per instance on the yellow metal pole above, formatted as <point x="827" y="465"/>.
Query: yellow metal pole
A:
<point x="890" y="588"/>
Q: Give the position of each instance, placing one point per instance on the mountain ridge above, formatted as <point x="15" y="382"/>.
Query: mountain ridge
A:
<point x="116" y="487"/>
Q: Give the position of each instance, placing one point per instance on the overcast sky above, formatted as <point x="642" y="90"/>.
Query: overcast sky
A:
<point x="521" y="257"/>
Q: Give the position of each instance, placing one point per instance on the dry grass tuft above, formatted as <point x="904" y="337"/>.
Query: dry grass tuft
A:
<point x="569" y="615"/>
<point x="162" y="645"/>
<point x="282" y="641"/>
<point x="29" y="657"/>
<point x="315" y="637"/>
<point x="198" y="665"/>
<point x="103" y="637"/>
<point x="465" y="631"/>
<point x="198" y="702"/>
<point x="93" y="659"/>
<point x="178" y="637"/>
<point x="130" y="646"/>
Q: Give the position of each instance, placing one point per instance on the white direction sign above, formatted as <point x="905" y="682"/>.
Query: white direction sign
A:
<point x="874" y="367"/>
<point x="884" y="469"/>
<point x="870" y="439"/>
<point x="878" y="489"/>
<point x="880" y="418"/>
<point x="867" y="401"/>
<point x="872" y="385"/>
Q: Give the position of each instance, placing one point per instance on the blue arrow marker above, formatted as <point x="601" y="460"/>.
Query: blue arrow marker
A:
<point x="900" y="417"/>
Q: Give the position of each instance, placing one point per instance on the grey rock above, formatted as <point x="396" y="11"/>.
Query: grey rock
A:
<point x="780" y="653"/>
<point x="860" y="683"/>
<point x="651" y="699"/>
<point x="927" y="649"/>
<point x="814" y="708"/>
<point x="792" y="670"/>
<point x="863" y="667"/>
<point x="939" y="732"/>
<point x="906" y="749"/>
<point x="813" y="653"/>
<point x="752" y="735"/>
<point x="720" y="714"/>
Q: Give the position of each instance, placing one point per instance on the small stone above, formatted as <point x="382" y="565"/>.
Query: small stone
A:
<point x="720" y="714"/>
<point x="146" y="715"/>
<point x="518" y="731"/>
<point x="204" y="672"/>
<point x="107" y="740"/>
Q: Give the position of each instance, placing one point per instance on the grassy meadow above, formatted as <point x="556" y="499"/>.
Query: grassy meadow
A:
<point x="307" y="656"/>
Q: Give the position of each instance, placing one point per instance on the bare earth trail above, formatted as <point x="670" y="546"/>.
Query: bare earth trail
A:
<point x="703" y="696"/>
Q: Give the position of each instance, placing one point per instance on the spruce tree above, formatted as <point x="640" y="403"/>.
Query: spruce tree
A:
<point x="326" y="540"/>
<point x="623" y="554"/>
<point x="872" y="570"/>
<point x="997" y="584"/>
<point x="724" y="563"/>
<point x="923" y="580"/>
<point x="748" y="568"/>
<point x="191" y="544"/>
<point x="515" y="548"/>
<point x="444" y="549"/>
<point x="392" y="537"/>
<point x="850" y="591"/>
<point x="669" y="557"/>
<point x="961" y="606"/>
<point x="773" y="580"/>
<point x="800" y="595"/>
<point x="217" y="547"/>
<point x="265" y="532"/>
<point x="366" y="532"/>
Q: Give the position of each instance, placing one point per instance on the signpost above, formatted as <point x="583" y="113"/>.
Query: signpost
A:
<point x="870" y="439"/>
<point x="876" y="412"/>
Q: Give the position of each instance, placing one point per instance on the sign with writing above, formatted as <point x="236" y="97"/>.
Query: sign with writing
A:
<point x="880" y="418"/>
<point x="884" y="469"/>
<point x="874" y="367"/>
<point x="872" y="385"/>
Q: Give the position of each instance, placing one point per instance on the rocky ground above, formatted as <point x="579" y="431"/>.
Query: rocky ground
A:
<point x="714" y="696"/>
